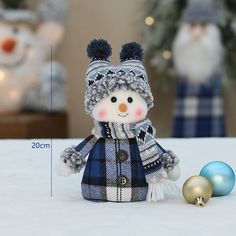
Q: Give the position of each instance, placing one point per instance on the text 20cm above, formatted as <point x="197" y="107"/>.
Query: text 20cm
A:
<point x="38" y="145"/>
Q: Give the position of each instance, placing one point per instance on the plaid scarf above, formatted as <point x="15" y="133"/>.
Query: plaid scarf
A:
<point x="150" y="151"/>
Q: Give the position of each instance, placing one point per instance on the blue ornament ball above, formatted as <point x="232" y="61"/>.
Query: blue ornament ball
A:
<point x="221" y="175"/>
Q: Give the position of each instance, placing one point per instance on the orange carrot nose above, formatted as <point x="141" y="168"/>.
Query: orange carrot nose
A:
<point x="122" y="107"/>
<point x="8" y="45"/>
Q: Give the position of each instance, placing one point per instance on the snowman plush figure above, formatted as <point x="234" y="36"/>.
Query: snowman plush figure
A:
<point x="125" y="162"/>
<point x="26" y="37"/>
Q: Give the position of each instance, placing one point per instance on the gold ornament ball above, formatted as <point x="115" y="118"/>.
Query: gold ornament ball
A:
<point x="197" y="190"/>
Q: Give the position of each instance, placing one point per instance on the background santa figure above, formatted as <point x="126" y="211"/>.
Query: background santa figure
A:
<point x="198" y="53"/>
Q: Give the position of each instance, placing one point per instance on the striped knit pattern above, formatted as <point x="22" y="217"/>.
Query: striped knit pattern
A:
<point x="199" y="110"/>
<point x="99" y="69"/>
<point x="150" y="151"/>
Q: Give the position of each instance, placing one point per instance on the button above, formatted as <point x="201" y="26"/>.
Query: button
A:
<point x="122" y="180"/>
<point x="122" y="156"/>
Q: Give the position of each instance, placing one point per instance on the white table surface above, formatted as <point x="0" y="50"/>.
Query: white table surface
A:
<point x="26" y="208"/>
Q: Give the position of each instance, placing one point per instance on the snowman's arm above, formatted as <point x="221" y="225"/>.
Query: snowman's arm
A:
<point x="74" y="157"/>
<point x="52" y="69"/>
<point x="52" y="85"/>
<point x="169" y="160"/>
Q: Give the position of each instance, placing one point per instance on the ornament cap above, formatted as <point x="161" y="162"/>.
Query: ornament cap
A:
<point x="200" y="202"/>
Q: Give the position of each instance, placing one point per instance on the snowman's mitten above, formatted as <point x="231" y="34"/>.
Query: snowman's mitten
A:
<point x="174" y="174"/>
<point x="169" y="160"/>
<point x="62" y="169"/>
<point x="74" y="157"/>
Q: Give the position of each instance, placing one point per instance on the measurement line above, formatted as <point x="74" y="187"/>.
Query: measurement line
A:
<point x="51" y="190"/>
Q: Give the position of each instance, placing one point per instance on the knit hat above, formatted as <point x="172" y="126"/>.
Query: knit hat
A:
<point x="47" y="10"/>
<point x="200" y="11"/>
<point x="103" y="78"/>
<point x="16" y="12"/>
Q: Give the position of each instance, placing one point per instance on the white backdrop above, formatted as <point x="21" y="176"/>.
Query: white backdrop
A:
<point x="26" y="207"/>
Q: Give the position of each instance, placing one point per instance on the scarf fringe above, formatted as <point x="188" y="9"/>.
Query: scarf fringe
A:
<point x="159" y="189"/>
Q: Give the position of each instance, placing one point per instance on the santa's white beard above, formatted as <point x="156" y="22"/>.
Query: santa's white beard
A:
<point x="198" y="60"/>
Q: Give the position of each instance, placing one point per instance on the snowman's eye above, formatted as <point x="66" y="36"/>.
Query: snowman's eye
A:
<point x="130" y="99"/>
<point x="113" y="99"/>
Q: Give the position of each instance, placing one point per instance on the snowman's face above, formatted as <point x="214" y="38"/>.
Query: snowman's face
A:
<point x="123" y="106"/>
<point x="19" y="47"/>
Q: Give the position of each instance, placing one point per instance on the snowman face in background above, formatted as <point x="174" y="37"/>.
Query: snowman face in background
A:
<point x="122" y="106"/>
<point x="19" y="47"/>
<point x="23" y="52"/>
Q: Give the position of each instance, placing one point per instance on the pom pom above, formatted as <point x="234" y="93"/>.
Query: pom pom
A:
<point x="99" y="49"/>
<point x="131" y="51"/>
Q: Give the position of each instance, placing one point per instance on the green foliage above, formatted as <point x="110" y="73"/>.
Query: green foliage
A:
<point x="159" y="37"/>
<point x="14" y="4"/>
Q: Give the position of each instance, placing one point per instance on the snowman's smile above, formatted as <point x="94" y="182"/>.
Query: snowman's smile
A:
<point x="19" y="61"/>
<point x="123" y="115"/>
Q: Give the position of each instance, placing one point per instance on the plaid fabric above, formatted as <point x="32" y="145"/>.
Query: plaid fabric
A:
<point x="86" y="145"/>
<point x="123" y="160"/>
<point x="103" y="170"/>
<point x="199" y="110"/>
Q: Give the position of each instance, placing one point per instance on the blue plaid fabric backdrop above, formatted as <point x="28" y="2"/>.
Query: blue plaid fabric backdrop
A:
<point x="199" y="110"/>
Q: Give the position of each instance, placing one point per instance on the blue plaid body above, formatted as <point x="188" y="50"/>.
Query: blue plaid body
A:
<point x="106" y="178"/>
<point x="199" y="110"/>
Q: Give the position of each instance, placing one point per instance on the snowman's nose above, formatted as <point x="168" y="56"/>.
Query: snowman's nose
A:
<point x="123" y="107"/>
<point x="8" y="45"/>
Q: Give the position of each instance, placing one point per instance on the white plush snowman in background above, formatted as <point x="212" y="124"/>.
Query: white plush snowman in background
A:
<point x="125" y="162"/>
<point x="26" y="38"/>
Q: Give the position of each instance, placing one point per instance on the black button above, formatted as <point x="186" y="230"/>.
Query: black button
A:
<point x="122" y="156"/>
<point x="122" y="180"/>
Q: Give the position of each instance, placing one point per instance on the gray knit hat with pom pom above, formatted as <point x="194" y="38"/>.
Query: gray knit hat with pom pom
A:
<point x="47" y="10"/>
<point x="102" y="77"/>
<point x="200" y="11"/>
